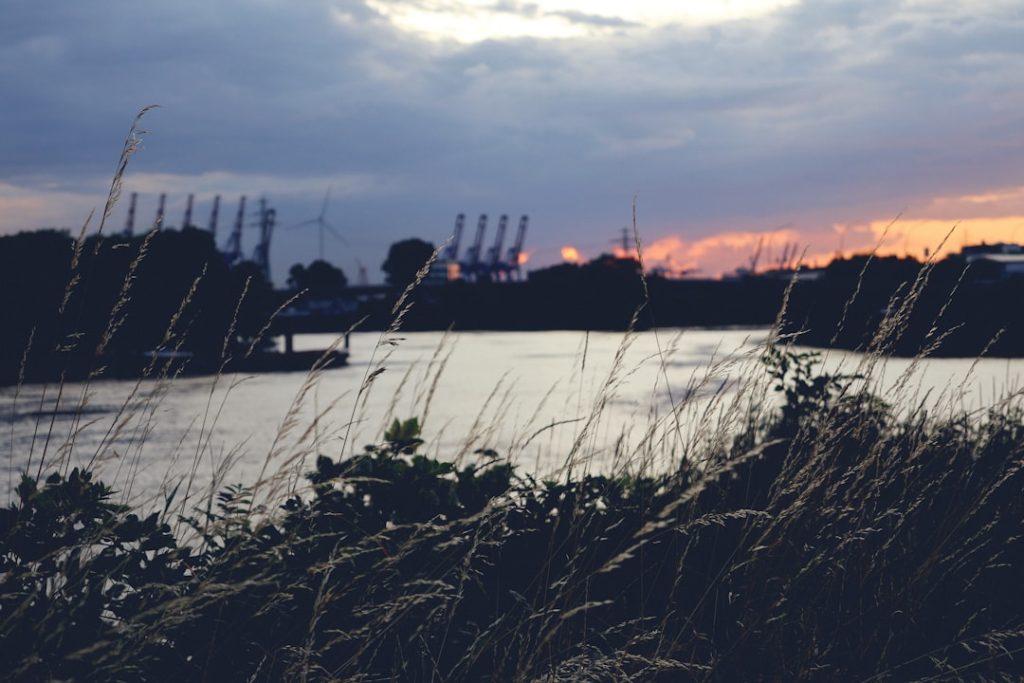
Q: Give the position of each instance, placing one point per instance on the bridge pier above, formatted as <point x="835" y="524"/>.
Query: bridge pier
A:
<point x="289" y="343"/>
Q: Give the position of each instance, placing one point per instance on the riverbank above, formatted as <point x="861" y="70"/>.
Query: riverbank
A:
<point x="828" y="539"/>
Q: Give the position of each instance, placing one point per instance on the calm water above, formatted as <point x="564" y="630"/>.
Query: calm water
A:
<point x="529" y="396"/>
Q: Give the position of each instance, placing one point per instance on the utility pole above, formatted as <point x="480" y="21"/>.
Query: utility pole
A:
<point x="623" y="242"/>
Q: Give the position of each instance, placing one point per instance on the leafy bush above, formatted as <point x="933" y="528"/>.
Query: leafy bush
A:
<point x="831" y="541"/>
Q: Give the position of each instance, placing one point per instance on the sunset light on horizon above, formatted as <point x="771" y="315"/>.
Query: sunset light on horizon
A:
<point x="732" y="123"/>
<point x="571" y="255"/>
<point x="512" y="340"/>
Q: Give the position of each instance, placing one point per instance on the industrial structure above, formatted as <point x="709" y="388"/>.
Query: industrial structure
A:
<point x="476" y="266"/>
<point x="265" y="222"/>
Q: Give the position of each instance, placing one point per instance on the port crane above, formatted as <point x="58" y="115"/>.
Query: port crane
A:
<point x="261" y="253"/>
<point x="233" y="249"/>
<point x="496" y="263"/>
<point x="213" y="218"/>
<point x="452" y="252"/>
<point x="265" y="222"/>
<point x="472" y="264"/>
<point x="494" y="253"/>
<point x="512" y="260"/>
<point x="187" y="222"/>
<point x="129" y="223"/>
<point x="160" y="212"/>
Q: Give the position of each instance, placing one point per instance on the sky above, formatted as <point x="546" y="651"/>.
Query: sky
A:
<point x="826" y="124"/>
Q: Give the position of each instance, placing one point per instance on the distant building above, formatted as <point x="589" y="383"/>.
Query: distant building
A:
<point x="440" y="273"/>
<point x="979" y="251"/>
<point x="994" y="261"/>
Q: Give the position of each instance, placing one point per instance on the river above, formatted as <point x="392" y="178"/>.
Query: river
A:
<point x="549" y="401"/>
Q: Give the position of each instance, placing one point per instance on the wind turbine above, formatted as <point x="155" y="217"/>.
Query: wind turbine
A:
<point x="322" y="224"/>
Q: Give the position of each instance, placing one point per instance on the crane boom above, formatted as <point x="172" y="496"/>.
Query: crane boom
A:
<point x="160" y="212"/>
<point x="213" y="217"/>
<point x="234" y="246"/>
<point x="452" y="252"/>
<point x="129" y="224"/>
<point x="756" y="256"/>
<point x="187" y="222"/>
<point x="517" y="246"/>
<point x="494" y="255"/>
<point x="261" y="254"/>
<point x="266" y="233"/>
<point x="473" y="255"/>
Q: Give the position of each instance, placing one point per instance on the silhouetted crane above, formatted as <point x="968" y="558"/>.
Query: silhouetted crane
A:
<point x="473" y="253"/>
<point x="187" y="222"/>
<point x="213" y="217"/>
<point x="452" y="252"/>
<point x="512" y="260"/>
<point x="494" y="253"/>
<point x="756" y="256"/>
<point x="261" y="254"/>
<point x="233" y="250"/>
<point x="129" y="224"/>
<point x="160" y="212"/>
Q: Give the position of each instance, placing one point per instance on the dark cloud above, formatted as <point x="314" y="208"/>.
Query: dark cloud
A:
<point x="840" y="109"/>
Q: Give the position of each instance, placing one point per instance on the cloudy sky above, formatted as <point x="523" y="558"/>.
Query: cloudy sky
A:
<point x="813" y="122"/>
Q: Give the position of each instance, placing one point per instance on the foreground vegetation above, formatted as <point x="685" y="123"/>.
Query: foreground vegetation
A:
<point x="828" y="540"/>
<point x="830" y="537"/>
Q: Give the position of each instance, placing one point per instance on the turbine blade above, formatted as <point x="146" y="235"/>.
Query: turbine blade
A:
<point x="338" y="235"/>
<point x="327" y="199"/>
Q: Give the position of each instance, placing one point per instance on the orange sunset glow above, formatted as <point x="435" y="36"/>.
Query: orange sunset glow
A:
<point x="938" y="227"/>
<point x="715" y="255"/>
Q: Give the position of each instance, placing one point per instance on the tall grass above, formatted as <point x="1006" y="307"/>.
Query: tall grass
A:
<point x="813" y="525"/>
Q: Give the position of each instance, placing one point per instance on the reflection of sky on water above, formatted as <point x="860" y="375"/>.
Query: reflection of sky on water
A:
<point x="495" y="391"/>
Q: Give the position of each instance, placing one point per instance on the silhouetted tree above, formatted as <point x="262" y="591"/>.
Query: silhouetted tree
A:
<point x="321" y="279"/>
<point x="405" y="258"/>
<point x="117" y="301"/>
